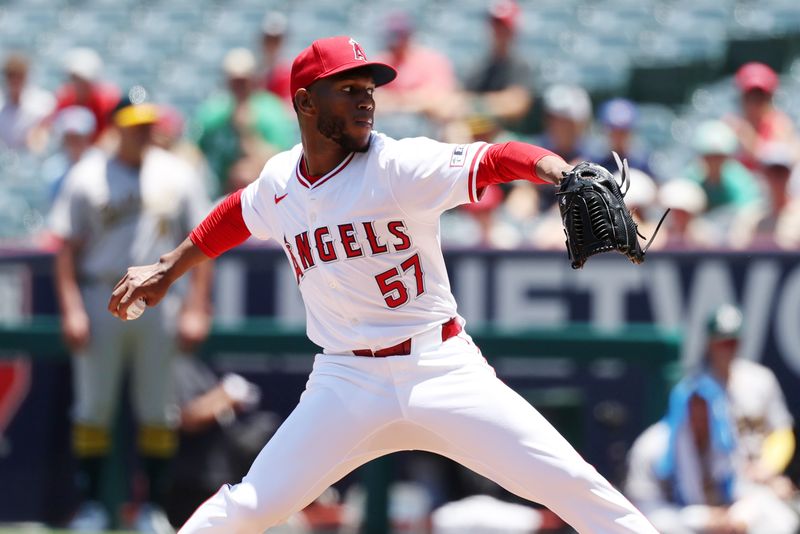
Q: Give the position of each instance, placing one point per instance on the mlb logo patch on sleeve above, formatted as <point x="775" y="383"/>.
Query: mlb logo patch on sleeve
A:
<point x="459" y="156"/>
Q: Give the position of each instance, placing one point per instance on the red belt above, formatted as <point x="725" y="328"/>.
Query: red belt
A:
<point x="449" y="329"/>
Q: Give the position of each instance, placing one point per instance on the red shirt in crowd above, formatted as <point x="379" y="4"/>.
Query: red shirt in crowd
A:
<point x="276" y="81"/>
<point x="103" y="98"/>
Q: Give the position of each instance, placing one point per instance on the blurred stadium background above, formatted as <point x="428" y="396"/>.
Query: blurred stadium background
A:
<point x="604" y="344"/>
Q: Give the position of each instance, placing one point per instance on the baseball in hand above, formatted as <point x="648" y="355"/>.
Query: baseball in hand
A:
<point x="136" y="309"/>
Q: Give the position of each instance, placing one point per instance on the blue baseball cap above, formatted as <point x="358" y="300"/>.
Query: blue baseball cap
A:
<point x="618" y="113"/>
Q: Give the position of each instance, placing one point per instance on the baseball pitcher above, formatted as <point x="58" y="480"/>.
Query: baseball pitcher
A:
<point x="357" y="214"/>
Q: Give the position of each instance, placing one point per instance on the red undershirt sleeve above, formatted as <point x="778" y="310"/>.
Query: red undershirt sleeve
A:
<point x="505" y="162"/>
<point x="223" y="228"/>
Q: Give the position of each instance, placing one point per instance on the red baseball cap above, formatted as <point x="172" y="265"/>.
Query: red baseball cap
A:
<point x="506" y="12"/>
<point x="326" y="57"/>
<point x="756" y="76"/>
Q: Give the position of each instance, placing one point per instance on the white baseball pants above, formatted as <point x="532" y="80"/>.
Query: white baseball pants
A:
<point x="443" y="398"/>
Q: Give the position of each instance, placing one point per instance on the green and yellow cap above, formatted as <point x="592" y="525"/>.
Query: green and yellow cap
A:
<point x="134" y="109"/>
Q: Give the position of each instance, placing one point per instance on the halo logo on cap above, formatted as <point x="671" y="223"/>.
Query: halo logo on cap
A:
<point x="358" y="52"/>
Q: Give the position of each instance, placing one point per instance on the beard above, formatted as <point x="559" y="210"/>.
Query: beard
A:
<point x="332" y="127"/>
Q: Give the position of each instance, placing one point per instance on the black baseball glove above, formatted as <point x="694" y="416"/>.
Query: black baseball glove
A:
<point x="595" y="216"/>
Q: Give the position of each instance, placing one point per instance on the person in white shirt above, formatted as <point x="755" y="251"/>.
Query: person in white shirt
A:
<point x="75" y="126"/>
<point x="685" y="473"/>
<point x="765" y="426"/>
<point x="22" y="105"/>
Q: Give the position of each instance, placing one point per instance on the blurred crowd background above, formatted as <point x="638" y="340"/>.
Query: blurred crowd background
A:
<point x="701" y="96"/>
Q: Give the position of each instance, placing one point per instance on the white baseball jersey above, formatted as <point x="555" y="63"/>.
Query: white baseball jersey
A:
<point x="364" y="239"/>
<point x="127" y="216"/>
<point x="757" y="404"/>
<point x="364" y="244"/>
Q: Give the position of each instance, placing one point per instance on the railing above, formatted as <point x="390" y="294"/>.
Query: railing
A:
<point x="655" y="349"/>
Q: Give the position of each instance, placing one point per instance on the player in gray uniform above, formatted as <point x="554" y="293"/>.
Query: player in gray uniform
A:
<point x="131" y="207"/>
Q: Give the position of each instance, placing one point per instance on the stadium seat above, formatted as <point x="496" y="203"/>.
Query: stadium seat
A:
<point x="664" y="54"/>
<point x="654" y="124"/>
<point x="605" y="73"/>
<point x="714" y="99"/>
<point x="405" y="125"/>
<point x="787" y="16"/>
<point x="625" y="19"/>
<point x="787" y="97"/>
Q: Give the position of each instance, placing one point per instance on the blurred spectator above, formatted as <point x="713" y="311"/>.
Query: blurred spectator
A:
<point x="220" y="433"/>
<point x="775" y="222"/>
<point x="501" y="86"/>
<point x="766" y="441"/>
<point x="275" y="71"/>
<point x="471" y="226"/>
<point x="425" y="78"/>
<point x="794" y="182"/>
<point x="114" y="211"/>
<point x="726" y="182"/>
<point x="74" y="127"/>
<point x="618" y="117"/>
<point x="567" y="114"/>
<point x="22" y="105"/>
<point x="504" y="223"/>
<point x="518" y="215"/>
<point x="484" y="215"/>
<point x="84" y="88"/>
<point x="238" y="131"/>
<point x="548" y="234"/>
<point x="489" y="130"/>
<point x="168" y="134"/>
<point x="568" y="111"/>
<point x="477" y="127"/>
<point x="640" y="197"/>
<point x="683" y="472"/>
<point x="760" y="121"/>
<point x="499" y="220"/>
<point x="684" y="226"/>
